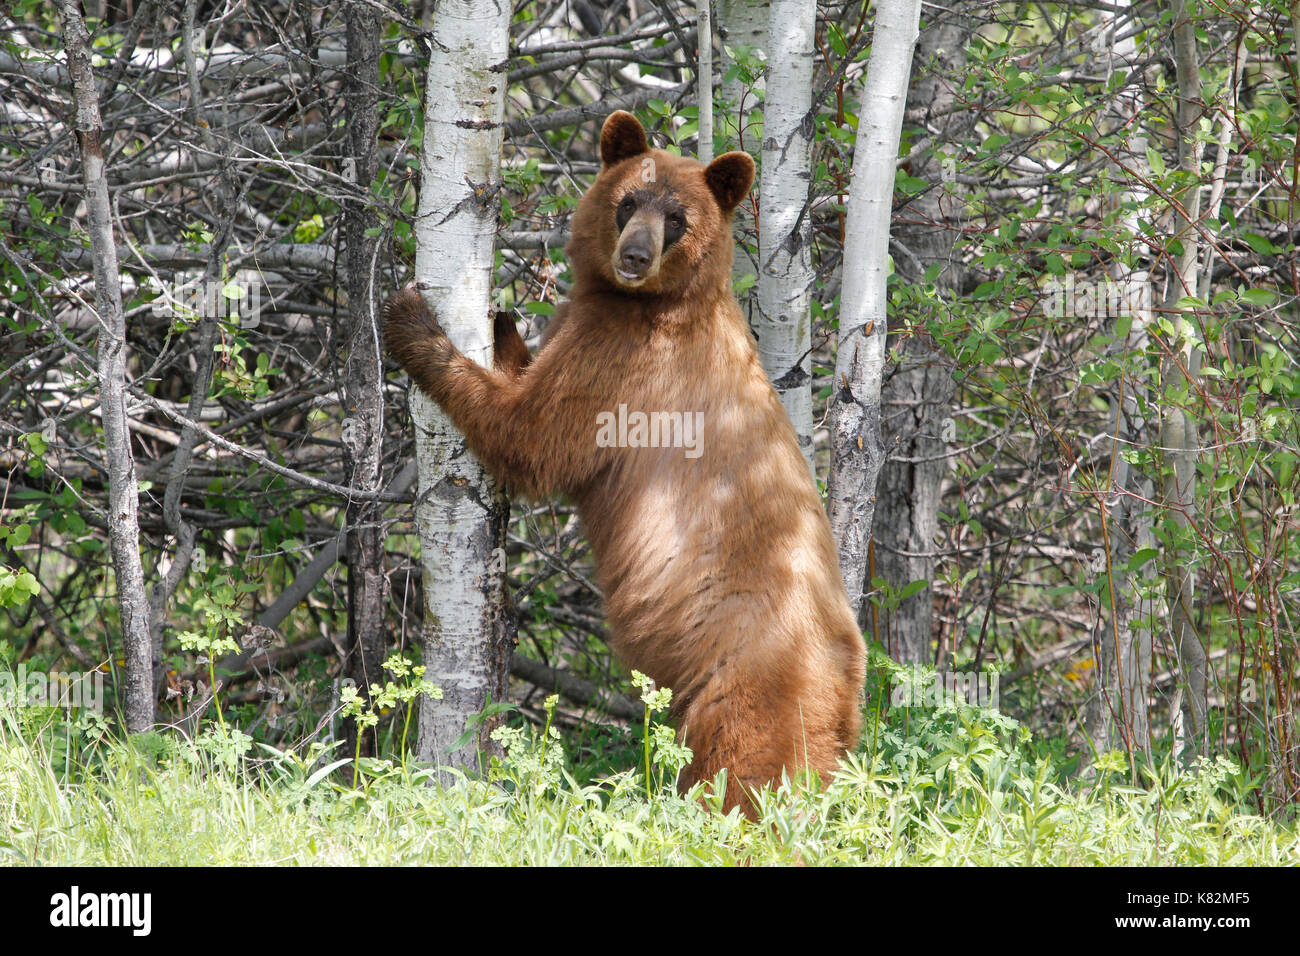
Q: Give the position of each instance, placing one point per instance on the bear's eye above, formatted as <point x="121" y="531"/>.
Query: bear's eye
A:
<point x="674" y="228"/>
<point x="625" y="210"/>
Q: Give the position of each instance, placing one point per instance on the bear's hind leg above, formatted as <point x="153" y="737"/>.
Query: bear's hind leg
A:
<point x="510" y="354"/>
<point x="756" y="736"/>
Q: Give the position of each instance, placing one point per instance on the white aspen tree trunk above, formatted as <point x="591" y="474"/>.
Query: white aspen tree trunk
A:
<point x="917" y="399"/>
<point x="123" y="495"/>
<point x="1178" y="429"/>
<point x="741" y="23"/>
<point x="704" y="78"/>
<point x="460" y="512"/>
<point x="1117" y="716"/>
<point x="785" y="272"/>
<point x="857" y="451"/>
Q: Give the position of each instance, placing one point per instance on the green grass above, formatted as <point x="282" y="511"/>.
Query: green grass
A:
<point x="950" y="787"/>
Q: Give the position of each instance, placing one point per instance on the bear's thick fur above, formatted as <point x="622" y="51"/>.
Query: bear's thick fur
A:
<point x="714" y="554"/>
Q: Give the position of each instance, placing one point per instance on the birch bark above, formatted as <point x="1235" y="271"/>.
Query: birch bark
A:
<point x="460" y="512"/>
<point x="917" y="397"/>
<point x="857" y="451"/>
<point x="785" y="272"/>
<point x="704" y="80"/>
<point x="1118" y="715"/>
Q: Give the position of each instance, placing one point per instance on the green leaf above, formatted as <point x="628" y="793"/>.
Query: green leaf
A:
<point x="916" y="587"/>
<point x="836" y="38"/>
<point x="324" y="772"/>
<point x="1259" y="296"/>
<point x="1141" y="557"/>
<point x="1155" y="161"/>
<point x="1260" y="244"/>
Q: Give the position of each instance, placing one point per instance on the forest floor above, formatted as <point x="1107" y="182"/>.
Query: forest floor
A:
<point x="947" y="787"/>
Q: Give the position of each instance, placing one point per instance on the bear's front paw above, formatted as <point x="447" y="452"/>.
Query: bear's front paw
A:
<point x="407" y="319"/>
<point x="413" y="337"/>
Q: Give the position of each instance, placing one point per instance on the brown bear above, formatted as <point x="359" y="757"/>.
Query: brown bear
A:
<point x="648" y="406"/>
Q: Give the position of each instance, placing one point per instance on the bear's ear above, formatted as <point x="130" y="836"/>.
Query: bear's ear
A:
<point x="729" y="178"/>
<point x="621" y="137"/>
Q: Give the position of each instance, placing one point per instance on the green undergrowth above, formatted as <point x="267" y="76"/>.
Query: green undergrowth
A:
<point x="948" y="785"/>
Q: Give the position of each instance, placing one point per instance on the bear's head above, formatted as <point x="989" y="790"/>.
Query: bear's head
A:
<point x="654" y="223"/>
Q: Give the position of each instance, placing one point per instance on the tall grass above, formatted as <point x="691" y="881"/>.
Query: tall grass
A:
<point x="947" y="785"/>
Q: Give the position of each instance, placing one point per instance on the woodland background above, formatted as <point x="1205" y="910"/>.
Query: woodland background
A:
<point x="1087" y="409"/>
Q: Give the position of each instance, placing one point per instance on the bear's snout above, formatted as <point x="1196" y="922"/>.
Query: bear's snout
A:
<point x="636" y="258"/>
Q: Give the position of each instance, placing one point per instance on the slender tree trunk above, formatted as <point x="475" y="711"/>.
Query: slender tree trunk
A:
<point x="1118" y="714"/>
<point x="1118" y="717"/>
<point x="857" y="451"/>
<point x="704" y="80"/>
<point x="917" y="397"/>
<point x="123" y="500"/>
<point x="363" y="424"/>
<point x="785" y="273"/>
<point x="460" y="512"/>
<point x="1178" y="430"/>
